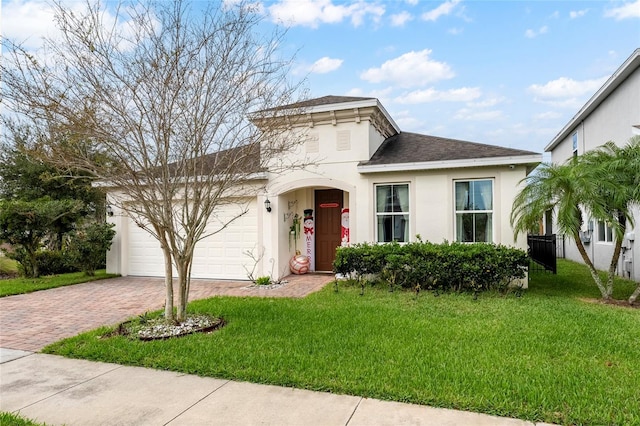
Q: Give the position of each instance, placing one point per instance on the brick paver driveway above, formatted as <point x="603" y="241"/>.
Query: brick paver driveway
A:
<point x="31" y="321"/>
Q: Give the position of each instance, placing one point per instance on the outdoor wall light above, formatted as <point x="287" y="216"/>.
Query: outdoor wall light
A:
<point x="267" y="205"/>
<point x="109" y="210"/>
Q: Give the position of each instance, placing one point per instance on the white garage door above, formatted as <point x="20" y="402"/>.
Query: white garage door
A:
<point x="219" y="256"/>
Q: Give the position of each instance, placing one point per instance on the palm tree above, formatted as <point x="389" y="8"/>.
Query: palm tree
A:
<point x="617" y="169"/>
<point x="562" y="189"/>
<point x="604" y="182"/>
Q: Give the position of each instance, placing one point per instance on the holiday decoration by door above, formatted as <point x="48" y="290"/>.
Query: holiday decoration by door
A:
<point x="344" y="222"/>
<point x="309" y="238"/>
<point x="299" y="264"/>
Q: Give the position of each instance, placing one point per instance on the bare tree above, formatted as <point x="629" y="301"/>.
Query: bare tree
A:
<point x="173" y="108"/>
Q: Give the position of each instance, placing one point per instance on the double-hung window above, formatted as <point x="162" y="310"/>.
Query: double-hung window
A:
<point x="392" y="212"/>
<point x="605" y="233"/>
<point x="474" y="211"/>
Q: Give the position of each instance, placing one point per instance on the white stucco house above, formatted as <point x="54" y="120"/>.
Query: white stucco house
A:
<point x="369" y="177"/>
<point x="612" y="114"/>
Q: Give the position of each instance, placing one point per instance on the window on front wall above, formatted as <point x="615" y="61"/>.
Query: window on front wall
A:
<point x="605" y="233"/>
<point x="474" y="211"/>
<point x="392" y="212"/>
<point x="574" y="142"/>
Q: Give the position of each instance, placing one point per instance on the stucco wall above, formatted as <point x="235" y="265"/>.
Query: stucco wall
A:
<point x="613" y="120"/>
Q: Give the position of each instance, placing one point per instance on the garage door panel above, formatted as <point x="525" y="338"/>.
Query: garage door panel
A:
<point x="219" y="256"/>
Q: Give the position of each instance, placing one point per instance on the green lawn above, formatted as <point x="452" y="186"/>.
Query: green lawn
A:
<point x="545" y="356"/>
<point x="27" y="285"/>
<point x="10" y="419"/>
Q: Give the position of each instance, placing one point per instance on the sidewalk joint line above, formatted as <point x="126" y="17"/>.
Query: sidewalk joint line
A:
<point x="354" y="411"/>
<point x="197" y="402"/>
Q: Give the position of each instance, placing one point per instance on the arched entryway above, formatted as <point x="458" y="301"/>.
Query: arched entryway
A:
<point x="325" y="202"/>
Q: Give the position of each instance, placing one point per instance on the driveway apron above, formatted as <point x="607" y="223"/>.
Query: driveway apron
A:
<point x="31" y="321"/>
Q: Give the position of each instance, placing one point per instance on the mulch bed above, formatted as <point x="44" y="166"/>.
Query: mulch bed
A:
<point x="130" y="329"/>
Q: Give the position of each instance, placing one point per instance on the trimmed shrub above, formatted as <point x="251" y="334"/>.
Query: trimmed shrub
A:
<point x="88" y="247"/>
<point x="438" y="267"/>
<point x="49" y="262"/>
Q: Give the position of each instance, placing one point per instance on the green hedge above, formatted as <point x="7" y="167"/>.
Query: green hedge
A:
<point x="438" y="267"/>
<point x="50" y="262"/>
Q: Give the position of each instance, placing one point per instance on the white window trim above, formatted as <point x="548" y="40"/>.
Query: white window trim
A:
<point x="455" y="211"/>
<point x="608" y="232"/>
<point x="376" y="214"/>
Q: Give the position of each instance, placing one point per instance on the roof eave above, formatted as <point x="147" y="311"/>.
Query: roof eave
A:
<point x="364" y="103"/>
<point x="619" y="76"/>
<point x="533" y="159"/>
<point x="372" y="102"/>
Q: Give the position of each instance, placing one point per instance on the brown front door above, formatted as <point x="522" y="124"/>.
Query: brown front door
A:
<point x="328" y="209"/>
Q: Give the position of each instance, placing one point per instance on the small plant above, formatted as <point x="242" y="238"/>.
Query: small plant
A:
<point x="294" y="232"/>
<point x="266" y="280"/>
<point x="144" y="318"/>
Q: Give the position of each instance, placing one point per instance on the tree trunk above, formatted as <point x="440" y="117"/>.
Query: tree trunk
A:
<point x="635" y="295"/>
<point x="168" y="282"/>
<point x="33" y="259"/>
<point x="592" y="269"/>
<point x="613" y="265"/>
<point x="184" y="269"/>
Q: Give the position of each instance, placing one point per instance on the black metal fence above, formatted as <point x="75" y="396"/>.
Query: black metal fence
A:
<point x="542" y="250"/>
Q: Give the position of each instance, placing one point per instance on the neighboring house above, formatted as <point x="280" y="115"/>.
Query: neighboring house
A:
<point x="612" y="114"/>
<point x="396" y="185"/>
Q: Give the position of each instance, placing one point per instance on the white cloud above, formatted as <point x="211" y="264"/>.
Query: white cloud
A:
<point x="382" y="94"/>
<point x="27" y="22"/>
<point x="463" y="94"/>
<point x="406" y="120"/>
<point x="311" y="13"/>
<point x="455" y="31"/>
<point x="578" y="13"/>
<point x="564" y="87"/>
<point x="473" y="115"/>
<point x="555" y="15"/>
<point x="489" y="102"/>
<point x="627" y="10"/>
<point x="399" y="19"/>
<point x="565" y="92"/>
<point x="533" y="33"/>
<point x="444" y="9"/>
<point x="413" y="69"/>
<point x="325" y="65"/>
<point x="548" y="115"/>
<point x="412" y="2"/>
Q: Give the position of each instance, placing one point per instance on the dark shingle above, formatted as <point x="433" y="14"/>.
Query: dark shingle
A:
<point x="325" y="100"/>
<point x="408" y="147"/>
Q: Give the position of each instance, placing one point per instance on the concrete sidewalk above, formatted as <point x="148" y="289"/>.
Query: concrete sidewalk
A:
<point x="57" y="390"/>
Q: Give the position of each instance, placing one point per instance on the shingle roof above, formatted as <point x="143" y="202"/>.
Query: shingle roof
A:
<point x="325" y="100"/>
<point x="241" y="159"/>
<point x="406" y="147"/>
